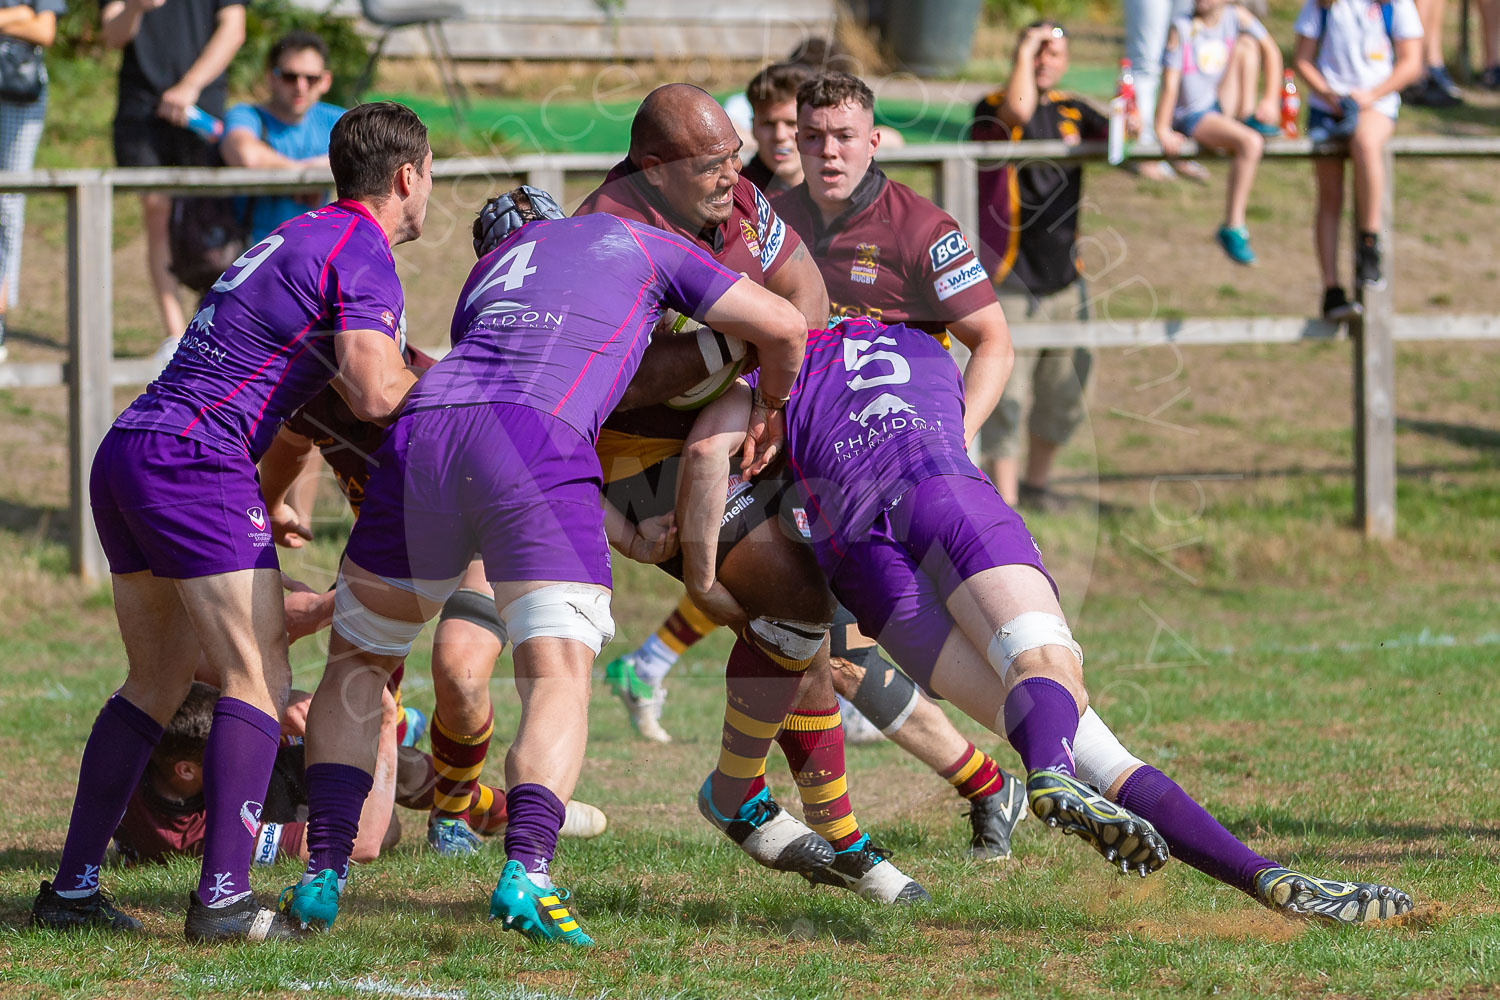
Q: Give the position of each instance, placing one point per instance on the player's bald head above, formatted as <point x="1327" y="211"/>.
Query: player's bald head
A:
<point x="678" y="121"/>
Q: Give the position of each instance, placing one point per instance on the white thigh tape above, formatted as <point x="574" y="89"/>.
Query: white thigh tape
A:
<point x="1030" y="630"/>
<point x="366" y="629"/>
<point x="561" y="611"/>
<point x="793" y="640"/>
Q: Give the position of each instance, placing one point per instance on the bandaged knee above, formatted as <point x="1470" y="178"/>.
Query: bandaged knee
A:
<point x="885" y="695"/>
<point x="369" y="631"/>
<point x="562" y="611"/>
<point x="790" y="645"/>
<point x="476" y="608"/>
<point x="1098" y="755"/>
<point x="1031" y="630"/>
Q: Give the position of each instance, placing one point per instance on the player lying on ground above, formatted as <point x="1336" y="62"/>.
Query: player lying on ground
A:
<point x="165" y="817"/>
<point x="183" y="522"/>
<point x="682" y="176"/>
<point x="494" y="453"/>
<point x="919" y="546"/>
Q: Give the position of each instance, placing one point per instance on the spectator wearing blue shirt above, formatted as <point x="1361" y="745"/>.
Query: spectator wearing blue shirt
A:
<point x="290" y="130"/>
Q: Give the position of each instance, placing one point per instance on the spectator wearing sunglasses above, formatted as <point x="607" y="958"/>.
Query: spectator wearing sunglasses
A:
<point x="290" y="130"/>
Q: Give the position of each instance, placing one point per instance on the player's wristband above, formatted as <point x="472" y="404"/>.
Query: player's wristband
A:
<point x="765" y="402"/>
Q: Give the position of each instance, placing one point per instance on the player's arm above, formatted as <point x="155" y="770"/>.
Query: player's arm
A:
<point x="653" y="541"/>
<point x="800" y="283"/>
<point x="122" y="19"/>
<point x="285" y="465"/>
<point x="672" y="365"/>
<point x="778" y="330"/>
<point x="986" y="334"/>
<point x="702" y="484"/>
<point x="228" y="36"/>
<point x="373" y="377"/>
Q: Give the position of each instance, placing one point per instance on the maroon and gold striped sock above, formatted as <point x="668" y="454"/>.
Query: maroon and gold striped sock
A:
<point x="760" y="690"/>
<point x="813" y="741"/>
<point x="458" y="758"/>
<point x="684" y="626"/>
<point x="487" y="810"/>
<point x="975" y="775"/>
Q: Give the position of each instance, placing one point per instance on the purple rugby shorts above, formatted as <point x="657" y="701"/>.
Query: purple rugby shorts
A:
<point x="176" y="507"/>
<point x="897" y="579"/>
<point x="510" y="483"/>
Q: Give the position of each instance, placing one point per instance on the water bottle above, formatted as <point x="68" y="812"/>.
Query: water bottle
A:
<point x="204" y="124"/>
<point x="1290" y="105"/>
<point x="1125" y="88"/>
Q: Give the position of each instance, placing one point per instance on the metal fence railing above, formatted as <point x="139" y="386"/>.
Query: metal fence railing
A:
<point x="90" y="371"/>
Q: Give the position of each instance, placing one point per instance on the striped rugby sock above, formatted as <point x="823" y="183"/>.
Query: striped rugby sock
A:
<point x="813" y="741"/>
<point x="760" y="691"/>
<point x="975" y="775"/>
<point x="458" y="758"/>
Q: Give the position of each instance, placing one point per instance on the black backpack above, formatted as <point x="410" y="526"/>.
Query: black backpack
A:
<point x="207" y="233"/>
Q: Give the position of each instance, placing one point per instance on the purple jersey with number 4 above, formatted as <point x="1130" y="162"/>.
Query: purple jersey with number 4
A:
<point x="261" y="344"/>
<point x="557" y="317"/>
<point x="874" y="411"/>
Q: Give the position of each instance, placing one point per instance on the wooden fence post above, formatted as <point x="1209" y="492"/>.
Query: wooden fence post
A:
<point x="552" y="180"/>
<point x="958" y="194"/>
<point x="90" y="350"/>
<point x="1375" y="384"/>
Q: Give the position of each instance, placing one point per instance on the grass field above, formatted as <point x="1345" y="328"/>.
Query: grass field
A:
<point x="1330" y="700"/>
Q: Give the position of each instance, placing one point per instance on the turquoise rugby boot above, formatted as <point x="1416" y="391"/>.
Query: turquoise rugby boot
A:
<point x="314" y="906"/>
<point x="541" y="914"/>
<point x="1123" y="838"/>
<point x="1328" y="900"/>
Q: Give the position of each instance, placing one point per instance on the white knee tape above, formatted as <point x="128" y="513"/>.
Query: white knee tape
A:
<point x="366" y="629"/>
<point x="793" y="640"/>
<point x="1098" y="754"/>
<point x="561" y="611"/>
<point x="1031" y="630"/>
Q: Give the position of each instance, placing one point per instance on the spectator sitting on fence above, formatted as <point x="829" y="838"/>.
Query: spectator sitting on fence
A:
<point x="24" y="25"/>
<point x="1353" y="67"/>
<point x="1028" y="226"/>
<point x="1208" y="93"/>
<point x="288" y="131"/>
<point x="176" y="52"/>
<point x="773" y="103"/>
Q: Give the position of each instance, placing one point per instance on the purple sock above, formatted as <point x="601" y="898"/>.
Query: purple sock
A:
<point x="113" y="760"/>
<point x="237" y="763"/>
<point x="1041" y="720"/>
<point x="536" y="816"/>
<point x="335" y="797"/>
<point x="1191" y="833"/>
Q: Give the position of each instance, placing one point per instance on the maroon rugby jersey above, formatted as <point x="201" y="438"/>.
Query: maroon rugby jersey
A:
<point x="892" y="256"/>
<point x="345" y="441"/>
<point x="753" y="241"/>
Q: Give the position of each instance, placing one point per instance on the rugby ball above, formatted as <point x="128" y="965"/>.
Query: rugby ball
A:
<point x="724" y="356"/>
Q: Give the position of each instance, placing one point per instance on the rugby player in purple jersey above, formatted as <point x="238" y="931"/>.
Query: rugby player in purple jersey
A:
<point x="494" y="453"/>
<point x="917" y="543"/>
<point x="184" y="524"/>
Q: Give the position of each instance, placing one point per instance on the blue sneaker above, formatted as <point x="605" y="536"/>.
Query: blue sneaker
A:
<point x="416" y="726"/>
<point x="452" y="838"/>
<point x="1236" y="243"/>
<point x="541" y="914"/>
<point x="767" y="833"/>
<point x="314" y="906"/>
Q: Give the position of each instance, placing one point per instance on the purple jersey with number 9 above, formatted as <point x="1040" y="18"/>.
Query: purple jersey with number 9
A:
<point x="558" y="315"/>
<point x="262" y="342"/>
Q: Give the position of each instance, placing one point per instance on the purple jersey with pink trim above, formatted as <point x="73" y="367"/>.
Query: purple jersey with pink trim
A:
<point x="558" y="315"/>
<point x="874" y="411"/>
<point x="261" y="344"/>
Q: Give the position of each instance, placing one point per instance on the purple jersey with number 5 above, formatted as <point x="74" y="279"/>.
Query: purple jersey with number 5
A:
<point x="261" y="344"/>
<point x="874" y="411"/>
<point x="557" y="317"/>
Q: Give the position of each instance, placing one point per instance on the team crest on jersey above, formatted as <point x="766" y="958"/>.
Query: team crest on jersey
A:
<point x="752" y="239"/>
<point x="257" y="517"/>
<point x="947" y="249"/>
<point x="866" y="263"/>
<point x="388" y="318"/>
<point x="800" y="516"/>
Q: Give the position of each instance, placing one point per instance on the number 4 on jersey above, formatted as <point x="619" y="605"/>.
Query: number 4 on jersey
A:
<point x="513" y="268"/>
